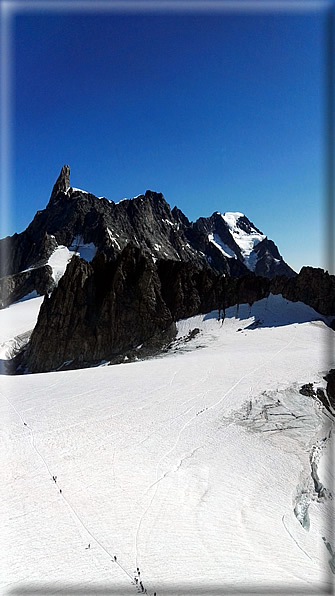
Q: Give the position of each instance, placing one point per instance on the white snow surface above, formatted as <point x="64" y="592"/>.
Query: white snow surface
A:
<point x="62" y="255"/>
<point x="58" y="261"/>
<point x="72" y="188"/>
<point x="187" y="466"/>
<point x="245" y="240"/>
<point x="113" y="238"/>
<point x="217" y="241"/>
<point x="17" y="320"/>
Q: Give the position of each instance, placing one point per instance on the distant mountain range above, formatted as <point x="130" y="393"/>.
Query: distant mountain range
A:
<point x="86" y="224"/>
<point x="118" y="275"/>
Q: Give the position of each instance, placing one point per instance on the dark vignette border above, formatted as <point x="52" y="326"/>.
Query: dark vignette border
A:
<point x="34" y="589"/>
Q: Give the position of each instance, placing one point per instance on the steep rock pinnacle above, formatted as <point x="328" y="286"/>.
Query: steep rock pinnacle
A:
<point x="62" y="183"/>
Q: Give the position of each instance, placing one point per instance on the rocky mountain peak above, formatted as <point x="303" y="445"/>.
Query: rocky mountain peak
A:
<point x="62" y="183"/>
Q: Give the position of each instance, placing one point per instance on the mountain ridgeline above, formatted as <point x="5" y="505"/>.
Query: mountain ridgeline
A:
<point x="144" y="266"/>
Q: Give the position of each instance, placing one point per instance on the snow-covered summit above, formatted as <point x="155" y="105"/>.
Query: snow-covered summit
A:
<point x="246" y="236"/>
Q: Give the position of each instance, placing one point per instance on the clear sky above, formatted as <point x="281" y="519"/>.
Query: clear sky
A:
<point x="218" y="111"/>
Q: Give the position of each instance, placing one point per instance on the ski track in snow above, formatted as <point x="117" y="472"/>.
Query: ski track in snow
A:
<point x="65" y="499"/>
<point x="289" y="533"/>
<point x="76" y="516"/>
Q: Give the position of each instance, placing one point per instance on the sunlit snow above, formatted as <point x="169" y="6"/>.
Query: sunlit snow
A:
<point x="15" y="321"/>
<point x="62" y="255"/>
<point x="73" y="189"/>
<point x="226" y="251"/>
<point x="187" y="466"/>
<point x="113" y="238"/>
<point x="245" y="240"/>
<point x="58" y="261"/>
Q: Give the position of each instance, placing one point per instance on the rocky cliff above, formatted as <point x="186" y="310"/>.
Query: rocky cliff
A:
<point x="99" y="310"/>
<point x="312" y="286"/>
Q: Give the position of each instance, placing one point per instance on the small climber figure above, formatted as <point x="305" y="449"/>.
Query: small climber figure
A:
<point x="137" y="569"/>
<point x="25" y="424"/>
<point x="115" y="559"/>
<point x="136" y="580"/>
<point x="88" y="546"/>
<point x="60" y="490"/>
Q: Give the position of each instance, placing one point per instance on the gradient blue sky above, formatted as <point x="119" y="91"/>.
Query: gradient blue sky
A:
<point x="219" y="112"/>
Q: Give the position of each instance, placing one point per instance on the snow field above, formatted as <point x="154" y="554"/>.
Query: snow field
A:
<point x="161" y="463"/>
<point x="15" y="320"/>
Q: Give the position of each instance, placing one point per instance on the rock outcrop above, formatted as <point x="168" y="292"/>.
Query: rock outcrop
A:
<point x="61" y="185"/>
<point x="99" y="310"/>
<point x="15" y="287"/>
<point x="312" y="286"/>
<point x="330" y="388"/>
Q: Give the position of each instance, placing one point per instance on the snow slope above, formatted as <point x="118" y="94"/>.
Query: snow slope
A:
<point x="188" y="466"/>
<point x="246" y="240"/>
<point x="16" y="323"/>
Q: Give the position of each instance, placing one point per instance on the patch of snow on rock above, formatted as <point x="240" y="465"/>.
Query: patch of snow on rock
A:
<point x="85" y="251"/>
<point x="58" y="261"/>
<point x="113" y="239"/>
<point x="73" y="189"/>
<point x="226" y="251"/>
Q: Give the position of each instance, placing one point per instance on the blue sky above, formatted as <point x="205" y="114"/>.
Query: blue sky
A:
<point x="219" y="112"/>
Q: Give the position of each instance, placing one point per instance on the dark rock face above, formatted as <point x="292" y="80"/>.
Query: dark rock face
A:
<point x="314" y="287"/>
<point x="98" y="310"/>
<point x="15" y="287"/>
<point x="62" y="183"/>
<point x="307" y="390"/>
<point x="330" y="389"/>
<point x="188" y="290"/>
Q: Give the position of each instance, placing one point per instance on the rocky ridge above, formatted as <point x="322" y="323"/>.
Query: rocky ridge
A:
<point x="147" y="221"/>
<point x="105" y="310"/>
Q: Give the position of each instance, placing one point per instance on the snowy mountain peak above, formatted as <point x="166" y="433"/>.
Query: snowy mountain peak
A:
<point x="245" y="235"/>
<point x="232" y="215"/>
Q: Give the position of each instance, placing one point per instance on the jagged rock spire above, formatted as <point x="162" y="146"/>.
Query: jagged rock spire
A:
<point x="62" y="182"/>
